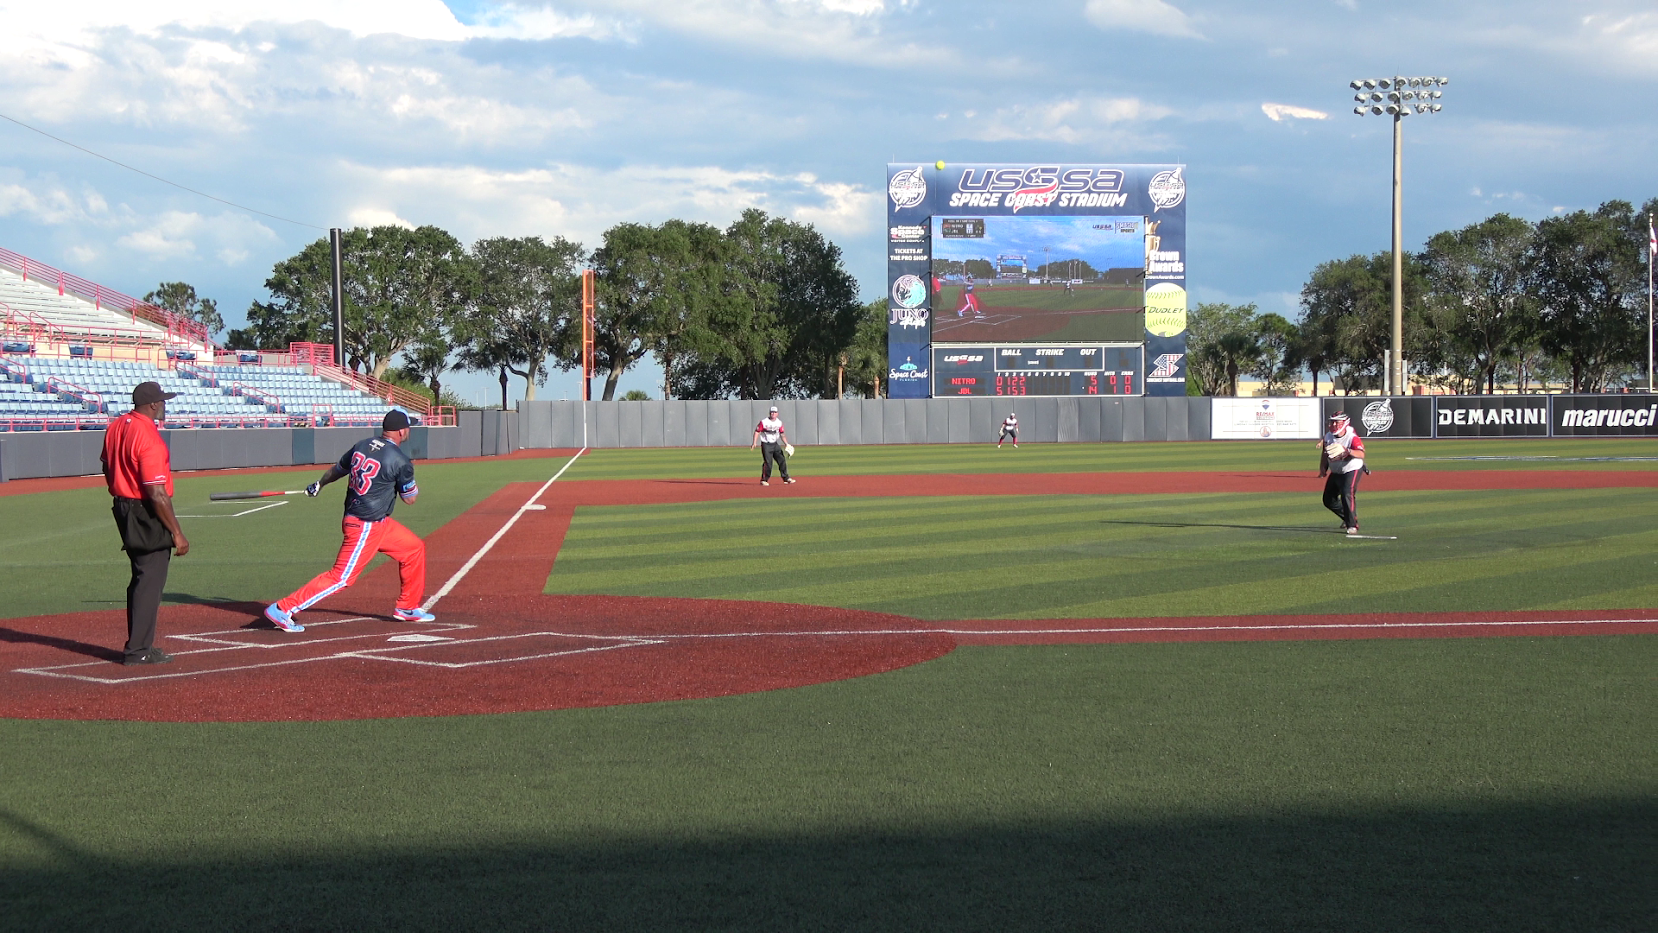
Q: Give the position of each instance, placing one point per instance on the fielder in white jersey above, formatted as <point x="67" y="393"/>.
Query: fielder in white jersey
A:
<point x="771" y="437"/>
<point x="1341" y="459"/>
<point x="1010" y="428"/>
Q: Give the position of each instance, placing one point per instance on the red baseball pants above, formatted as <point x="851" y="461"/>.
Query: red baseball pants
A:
<point x="362" y="541"/>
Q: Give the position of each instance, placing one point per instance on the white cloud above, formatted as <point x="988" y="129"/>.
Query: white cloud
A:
<point x="581" y="202"/>
<point x="72" y="20"/>
<point x="176" y="234"/>
<point x="848" y="31"/>
<point x="1076" y="120"/>
<point x="1153" y="16"/>
<point x="537" y="23"/>
<point x="1277" y="113"/>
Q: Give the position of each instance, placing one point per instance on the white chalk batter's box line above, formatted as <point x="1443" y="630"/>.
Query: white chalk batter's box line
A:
<point x="414" y="641"/>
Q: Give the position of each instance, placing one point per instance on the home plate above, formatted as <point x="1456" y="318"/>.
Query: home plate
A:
<point x="417" y="638"/>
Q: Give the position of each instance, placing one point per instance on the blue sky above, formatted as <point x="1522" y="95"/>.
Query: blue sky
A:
<point x="561" y="119"/>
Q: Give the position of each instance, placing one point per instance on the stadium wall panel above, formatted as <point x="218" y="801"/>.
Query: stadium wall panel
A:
<point x="828" y="422"/>
<point x="696" y="425"/>
<point x="1111" y="419"/>
<point x="673" y="423"/>
<point x="1156" y="417"/>
<point x="873" y="429"/>
<point x="938" y="420"/>
<point x="630" y="430"/>
<point x="1134" y="419"/>
<point x="808" y="417"/>
<point x="1067" y="420"/>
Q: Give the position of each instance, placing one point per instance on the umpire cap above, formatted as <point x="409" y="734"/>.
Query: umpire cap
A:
<point x="146" y="392"/>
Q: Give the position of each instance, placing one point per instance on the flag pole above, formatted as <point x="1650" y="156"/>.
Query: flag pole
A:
<point x="1651" y="247"/>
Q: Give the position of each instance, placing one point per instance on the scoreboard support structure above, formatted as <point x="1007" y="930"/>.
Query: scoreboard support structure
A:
<point x="971" y="370"/>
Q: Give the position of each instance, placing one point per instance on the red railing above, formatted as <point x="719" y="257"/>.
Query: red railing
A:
<point x="271" y="402"/>
<point x="28" y="324"/>
<point x="177" y="327"/>
<point x="65" y="387"/>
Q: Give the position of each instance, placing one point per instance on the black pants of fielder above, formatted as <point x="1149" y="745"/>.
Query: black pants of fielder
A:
<point x="768" y="453"/>
<point x="1341" y="496"/>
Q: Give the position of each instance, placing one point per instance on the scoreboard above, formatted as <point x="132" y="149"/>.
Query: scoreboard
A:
<point x="1031" y="369"/>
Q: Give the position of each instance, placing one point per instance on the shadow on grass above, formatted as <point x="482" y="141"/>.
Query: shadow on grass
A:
<point x="1302" y="529"/>
<point x="1521" y="868"/>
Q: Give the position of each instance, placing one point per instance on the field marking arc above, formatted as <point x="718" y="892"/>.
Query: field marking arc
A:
<point x="473" y="562"/>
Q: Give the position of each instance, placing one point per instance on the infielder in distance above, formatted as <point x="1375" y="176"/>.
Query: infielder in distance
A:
<point x="1010" y="428"/>
<point x="1341" y="459"/>
<point x="771" y="437"/>
<point x="379" y="471"/>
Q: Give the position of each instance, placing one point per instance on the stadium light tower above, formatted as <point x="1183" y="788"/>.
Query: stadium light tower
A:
<point x="1399" y="98"/>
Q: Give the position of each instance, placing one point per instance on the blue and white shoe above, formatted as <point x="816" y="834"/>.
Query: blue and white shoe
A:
<point x="413" y="615"/>
<point x="282" y="620"/>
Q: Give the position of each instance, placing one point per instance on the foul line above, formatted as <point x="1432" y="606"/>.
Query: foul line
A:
<point x="528" y="506"/>
<point x="239" y="514"/>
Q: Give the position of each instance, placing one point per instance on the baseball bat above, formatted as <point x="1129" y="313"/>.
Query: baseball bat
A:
<point x="222" y="496"/>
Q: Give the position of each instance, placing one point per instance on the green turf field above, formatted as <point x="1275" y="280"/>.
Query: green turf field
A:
<point x="1466" y="784"/>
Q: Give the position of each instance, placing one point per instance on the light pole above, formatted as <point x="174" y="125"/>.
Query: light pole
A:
<point x="1397" y="97"/>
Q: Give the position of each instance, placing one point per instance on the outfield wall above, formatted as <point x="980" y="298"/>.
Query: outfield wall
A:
<point x="827" y="422"/>
<point x="822" y="422"/>
<point x="75" y="453"/>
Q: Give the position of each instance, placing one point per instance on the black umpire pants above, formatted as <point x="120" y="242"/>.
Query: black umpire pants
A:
<point x="768" y="453"/>
<point x="1341" y="496"/>
<point x="149" y="578"/>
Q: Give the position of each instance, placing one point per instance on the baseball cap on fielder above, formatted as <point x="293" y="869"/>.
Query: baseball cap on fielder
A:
<point x="774" y="409"/>
<point x="395" y="420"/>
<point x="146" y="392"/>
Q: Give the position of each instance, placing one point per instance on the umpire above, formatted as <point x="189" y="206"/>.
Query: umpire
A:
<point x="139" y="472"/>
<point x="772" y="438"/>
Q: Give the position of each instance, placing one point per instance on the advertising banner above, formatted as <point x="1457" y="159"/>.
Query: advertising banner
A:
<point x="1399" y="416"/>
<point x="1605" y="415"/>
<point x="1491" y="416"/>
<point x="1039" y="253"/>
<point x="1257" y="419"/>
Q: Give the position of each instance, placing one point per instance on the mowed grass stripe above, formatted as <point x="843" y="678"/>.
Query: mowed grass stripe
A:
<point x="1082" y="556"/>
<point x="1200" y="456"/>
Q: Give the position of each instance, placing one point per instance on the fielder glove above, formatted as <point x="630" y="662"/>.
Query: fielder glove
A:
<point x="1334" y="450"/>
<point x="313" y="489"/>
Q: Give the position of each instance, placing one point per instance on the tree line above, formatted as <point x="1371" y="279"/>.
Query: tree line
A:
<point x="1502" y="303"/>
<point x="762" y="309"/>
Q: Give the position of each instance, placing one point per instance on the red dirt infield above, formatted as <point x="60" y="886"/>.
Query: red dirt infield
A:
<point x="500" y="645"/>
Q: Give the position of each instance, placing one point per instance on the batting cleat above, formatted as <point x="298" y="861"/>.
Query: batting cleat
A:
<point x="282" y="620"/>
<point x="788" y="481"/>
<point x="416" y="614"/>
<point x="765" y="482"/>
<point x="1353" y="530"/>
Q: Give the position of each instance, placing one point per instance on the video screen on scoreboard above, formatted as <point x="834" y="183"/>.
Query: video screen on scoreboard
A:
<point x="1038" y="279"/>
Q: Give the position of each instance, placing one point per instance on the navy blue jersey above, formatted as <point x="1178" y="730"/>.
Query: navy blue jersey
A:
<point x="377" y="472"/>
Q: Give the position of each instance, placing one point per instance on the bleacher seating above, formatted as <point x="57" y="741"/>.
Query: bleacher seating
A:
<point x="86" y="392"/>
<point x="38" y="301"/>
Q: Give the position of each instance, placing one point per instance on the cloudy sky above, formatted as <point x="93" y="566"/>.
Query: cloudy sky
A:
<point x="563" y="118"/>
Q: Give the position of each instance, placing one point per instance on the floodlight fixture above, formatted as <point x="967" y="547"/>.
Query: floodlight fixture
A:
<point x="1393" y="96"/>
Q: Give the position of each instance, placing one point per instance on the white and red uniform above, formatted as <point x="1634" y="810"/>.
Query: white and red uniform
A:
<point x="1341" y="489"/>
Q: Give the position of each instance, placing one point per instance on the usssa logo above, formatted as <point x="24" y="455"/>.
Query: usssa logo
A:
<point x="1166" y="366"/>
<point x="907" y="188"/>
